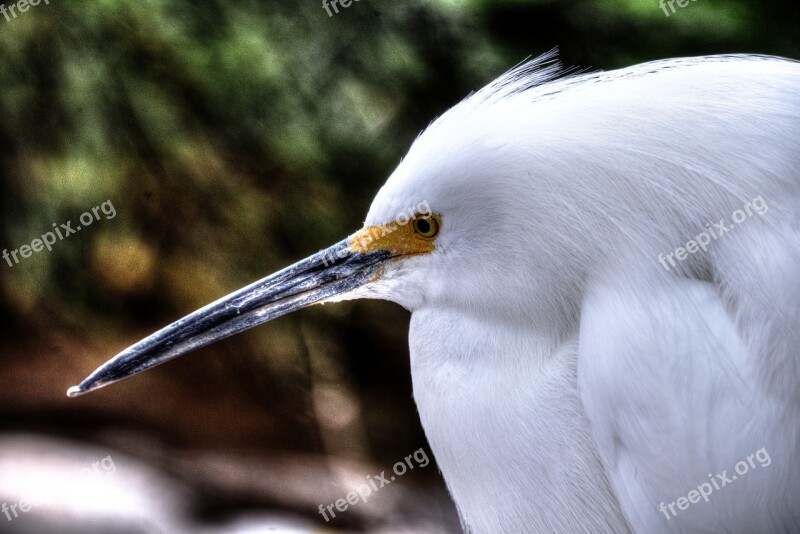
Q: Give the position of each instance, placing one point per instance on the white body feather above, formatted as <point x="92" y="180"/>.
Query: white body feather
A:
<point x="568" y="382"/>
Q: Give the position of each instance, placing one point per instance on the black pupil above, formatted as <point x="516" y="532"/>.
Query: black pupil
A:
<point x="423" y="226"/>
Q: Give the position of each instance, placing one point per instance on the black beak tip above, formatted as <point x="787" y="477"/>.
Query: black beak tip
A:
<point x="75" y="391"/>
<point x="85" y="387"/>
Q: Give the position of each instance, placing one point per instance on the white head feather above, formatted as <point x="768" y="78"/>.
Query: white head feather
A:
<point x="548" y="185"/>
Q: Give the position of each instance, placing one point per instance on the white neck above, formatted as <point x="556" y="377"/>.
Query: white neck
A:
<point x="507" y="429"/>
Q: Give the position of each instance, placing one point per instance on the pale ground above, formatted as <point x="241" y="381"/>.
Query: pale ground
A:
<point x="86" y="488"/>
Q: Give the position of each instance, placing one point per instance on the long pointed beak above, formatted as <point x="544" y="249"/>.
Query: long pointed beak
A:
<point x="328" y="273"/>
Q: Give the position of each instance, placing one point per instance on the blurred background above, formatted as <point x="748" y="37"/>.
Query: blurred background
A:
<point x="231" y="139"/>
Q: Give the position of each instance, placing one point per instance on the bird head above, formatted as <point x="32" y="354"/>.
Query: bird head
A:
<point x="441" y="232"/>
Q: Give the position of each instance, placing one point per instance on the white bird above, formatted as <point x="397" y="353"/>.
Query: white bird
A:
<point x="578" y="364"/>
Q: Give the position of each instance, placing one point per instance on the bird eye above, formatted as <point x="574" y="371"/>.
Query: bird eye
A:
<point x="426" y="228"/>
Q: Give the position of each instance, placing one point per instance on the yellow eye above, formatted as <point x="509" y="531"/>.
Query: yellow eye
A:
<point x="426" y="228"/>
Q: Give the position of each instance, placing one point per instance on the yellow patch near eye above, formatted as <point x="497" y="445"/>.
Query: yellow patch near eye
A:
<point x="398" y="239"/>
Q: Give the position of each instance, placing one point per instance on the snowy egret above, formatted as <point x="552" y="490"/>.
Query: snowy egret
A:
<point x="567" y="381"/>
